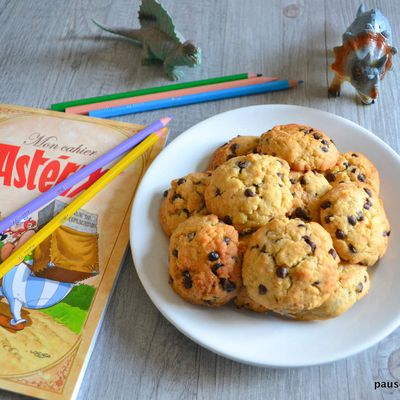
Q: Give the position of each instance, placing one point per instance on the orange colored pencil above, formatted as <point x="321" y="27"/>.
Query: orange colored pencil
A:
<point x="84" y="109"/>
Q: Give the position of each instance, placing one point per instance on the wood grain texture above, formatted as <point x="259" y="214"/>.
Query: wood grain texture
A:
<point x="50" y="51"/>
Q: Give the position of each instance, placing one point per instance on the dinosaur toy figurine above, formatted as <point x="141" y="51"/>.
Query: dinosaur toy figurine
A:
<point x="160" y="41"/>
<point x="365" y="55"/>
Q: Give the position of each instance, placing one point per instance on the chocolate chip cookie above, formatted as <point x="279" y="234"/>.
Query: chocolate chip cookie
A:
<point x="303" y="147"/>
<point x="247" y="191"/>
<point x="354" y="167"/>
<point x="244" y="301"/>
<point x="353" y="285"/>
<point x="238" y="146"/>
<point x="184" y="199"/>
<point x="307" y="190"/>
<point x="204" y="261"/>
<point x="290" y="266"/>
<point x="354" y="216"/>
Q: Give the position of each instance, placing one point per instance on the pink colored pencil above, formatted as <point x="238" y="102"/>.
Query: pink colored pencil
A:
<point x="84" y="109"/>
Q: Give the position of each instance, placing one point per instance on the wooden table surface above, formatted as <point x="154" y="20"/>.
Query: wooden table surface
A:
<point x="50" y="51"/>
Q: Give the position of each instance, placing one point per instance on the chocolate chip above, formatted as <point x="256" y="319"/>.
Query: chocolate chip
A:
<point x="333" y="253"/>
<point x="326" y="204"/>
<point x="316" y="283"/>
<point x="324" y="149"/>
<point x="227" y="240"/>
<point x="282" y="272"/>
<point x="262" y="289"/>
<point x="386" y="233"/>
<point x="352" y="220"/>
<point x="234" y="147"/>
<point x="368" y="191"/>
<point x="293" y="181"/>
<point x="249" y="193"/>
<point x="180" y="181"/>
<point x="327" y="219"/>
<point x="352" y="248"/>
<point x="359" y="287"/>
<point x="360" y="216"/>
<point x="242" y="164"/>
<point x="216" y="267"/>
<point x="187" y="280"/>
<point x="227" y="219"/>
<point x="175" y="252"/>
<point x="346" y="165"/>
<point x="340" y="234"/>
<point x="300" y="213"/>
<point x="361" y="177"/>
<point x="325" y="142"/>
<point x="213" y="256"/>
<point x="227" y="285"/>
<point x="330" y="177"/>
<point x="306" y="131"/>
<point x="280" y="174"/>
<point x="191" y="236"/>
<point x="317" y="136"/>
<point x="353" y="170"/>
<point x="302" y="181"/>
<point x="368" y="204"/>
<point x="176" y="196"/>
<point x="218" y="192"/>
<point x="308" y="240"/>
<point x="165" y="194"/>
<point x="354" y="155"/>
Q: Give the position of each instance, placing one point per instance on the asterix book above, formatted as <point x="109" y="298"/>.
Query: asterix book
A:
<point x="52" y="304"/>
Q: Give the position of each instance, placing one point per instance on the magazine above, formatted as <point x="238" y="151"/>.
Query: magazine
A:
<point x="51" y="305"/>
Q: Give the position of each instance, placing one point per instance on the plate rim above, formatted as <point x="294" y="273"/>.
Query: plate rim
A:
<point x="356" y="349"/>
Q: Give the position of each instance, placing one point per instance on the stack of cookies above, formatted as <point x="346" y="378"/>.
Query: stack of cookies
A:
<point x="281" y="222"/>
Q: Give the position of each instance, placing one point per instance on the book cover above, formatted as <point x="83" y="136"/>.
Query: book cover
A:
<point x="51" y="305"/>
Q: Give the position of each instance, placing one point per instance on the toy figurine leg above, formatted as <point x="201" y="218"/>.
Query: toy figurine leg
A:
<point x="173" y="73"/>
<point x="334" y="88"/>
<point x="148" y="57"/>
<point x="16" y="306"/>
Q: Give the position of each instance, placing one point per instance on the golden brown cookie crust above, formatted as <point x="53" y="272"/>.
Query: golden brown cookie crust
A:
<point x="303" y="147"/>
<point x="290" y="266"/>
<point x="355" y="218"/>
<point x="204" y="261"/>
<point x="244" y="301"/>
<point x="352" y="286"/>
<point x="184" y="199"/>
<point x="307" y="190"/>
<point x="247" y="191"/>
<point x="354" y="167"/>
<point x="238" y="146"/>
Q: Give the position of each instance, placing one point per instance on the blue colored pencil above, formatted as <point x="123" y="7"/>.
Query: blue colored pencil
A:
<point x="194" y="98"/>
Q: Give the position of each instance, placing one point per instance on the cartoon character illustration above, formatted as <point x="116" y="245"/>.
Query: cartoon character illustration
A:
<point x="22" y="289"/>
<point x="45" y="277"/>
<point x="365" y="55"/>
<point x="14" y="237"/>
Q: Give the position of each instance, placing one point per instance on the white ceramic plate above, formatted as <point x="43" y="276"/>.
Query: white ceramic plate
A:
<point x="267" y="340"/>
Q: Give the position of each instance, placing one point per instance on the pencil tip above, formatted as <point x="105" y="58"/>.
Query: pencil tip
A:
<point x="166" y="120"/>
<point x="161" y="133"/>
<point x="294" y="82"/>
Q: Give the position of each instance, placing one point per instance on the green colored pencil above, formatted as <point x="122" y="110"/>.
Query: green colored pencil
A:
<point x="158" y="89"/>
